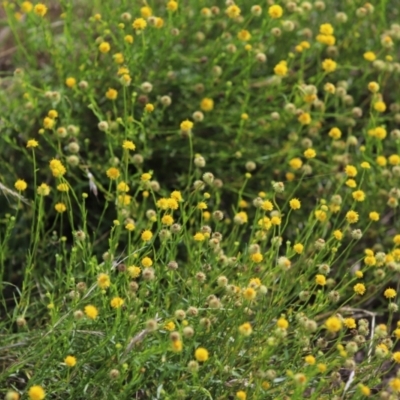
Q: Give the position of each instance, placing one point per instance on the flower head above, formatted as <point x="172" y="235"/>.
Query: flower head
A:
<point x="32" y="143"/>
<point x="36" y="393"/>
<point x="275" y="11"/>
<point x="390" y="293"/>
<point x="116" y="302"/>
<point x="333" y="324"/>
<point x="40" y="9"/>
<point x="91" y="312"/>
<point x="70" y="361"/>
<point x="295" y="204"/>
<point x="20" y="185"/>
<point x="139" y="24"/>
<point x="201" y="354"/>
<point x="329" y="65"/>
<point x="359" y="289"/>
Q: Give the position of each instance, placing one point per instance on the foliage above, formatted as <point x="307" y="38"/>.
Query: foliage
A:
<point x="199" y="200"/>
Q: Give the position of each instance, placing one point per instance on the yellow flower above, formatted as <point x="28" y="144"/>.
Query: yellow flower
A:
<point x="244" y="35"/>
<point x="359" y="289"/>
<point x="60" y="207"/>
<point x="134" y="271"/>
<point x="172" y="5"/>
<point x="32" y="143"/>
<point x="358" y="195"/>
<point x="146" y="12"/>
<point x="146" y="235"/>
<point x="281" y="68"/>
<point x="111" y="94"/>
<point x="20" y="185"/>
<point x="63" y="187"/>
<point x="365" y="390"/>
<point x="233" y="11"/>
<point x="169" y="326"/>
<point x="186" y="125"/>
<point x="249" y="293"/>
<point x="374" y="216"/>
<point x="298" y="248"/>
<point x="394" y="159"/>
<point x="40" y="9"/>
<point x="326" y="29"/>
<point x="130" y="226"/>
<point x="328" y="40"/>
<point x="26" y="6"/>
<point x="57" y="168"/>
<point x="48" y="123"/>
<point x="149" y="107"/>
<point x="373" y="87"/>
<point x="275" y="220"/>
<point x="380" y="106"/>
<point x="365" y="165"/>
<point x="52" y="114"/>
<point x="116" y="302"/>
<point x="159" y="23"/>
<point x="91" y="312"/>
<point x="139" y="24"/>
<point x="295" y="204"/>
<point x="264" y="223"/>
<point x="296" y="163"/>
<point x="123" y="187"/>
<point x="320" y="280"/>
<point x="351" y="183"/>
<point x="310" y="360"/>
<point x="43" y="190"/>
<point x="320" y="215"/>
<point x="335" y="133"/>
<point x="257" y="257"/>
<point x="129" y="39"/>
<point x="104" y="47"/>
<point x="70" y="361"/>
<point x="350" y="323"/>
<point x="395" y="384"/>
<point x="338" y="234"/>
<point x="352" y="217"/>
<point x="177" y="346"/>
<point x="322" y="368"/>
<point x="201" y="354"/>
<point x="370" y="56"/>
<point x="333" y="324"/>
<point x="310" y="153"/>
<point x="396" y="357"/>
<point x="145" y="177"/>
<point x="36" y="393"/>
<point x="167" y="220"/>
<point x="147" y="262"/>
<point x="329" y="65"/>
<point x="207" y="104"/>
<point x="241" y="395"/>
<point x="266" y="205"/>
<point x="275" y="11"/>
<point x="177" y="195"/>
<point x="113" y="173"/>
<point x="282" y="323"/>
<point x="390" y="293"/>
<point x="124" y="199"/>
<point x="70" y="82"/>
<point x="199" y="237"/>
<point x="245" y="329"/>
<point x="103" y="281"/>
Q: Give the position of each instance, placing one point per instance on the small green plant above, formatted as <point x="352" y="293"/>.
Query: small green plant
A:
<point x="199" y="200"/>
